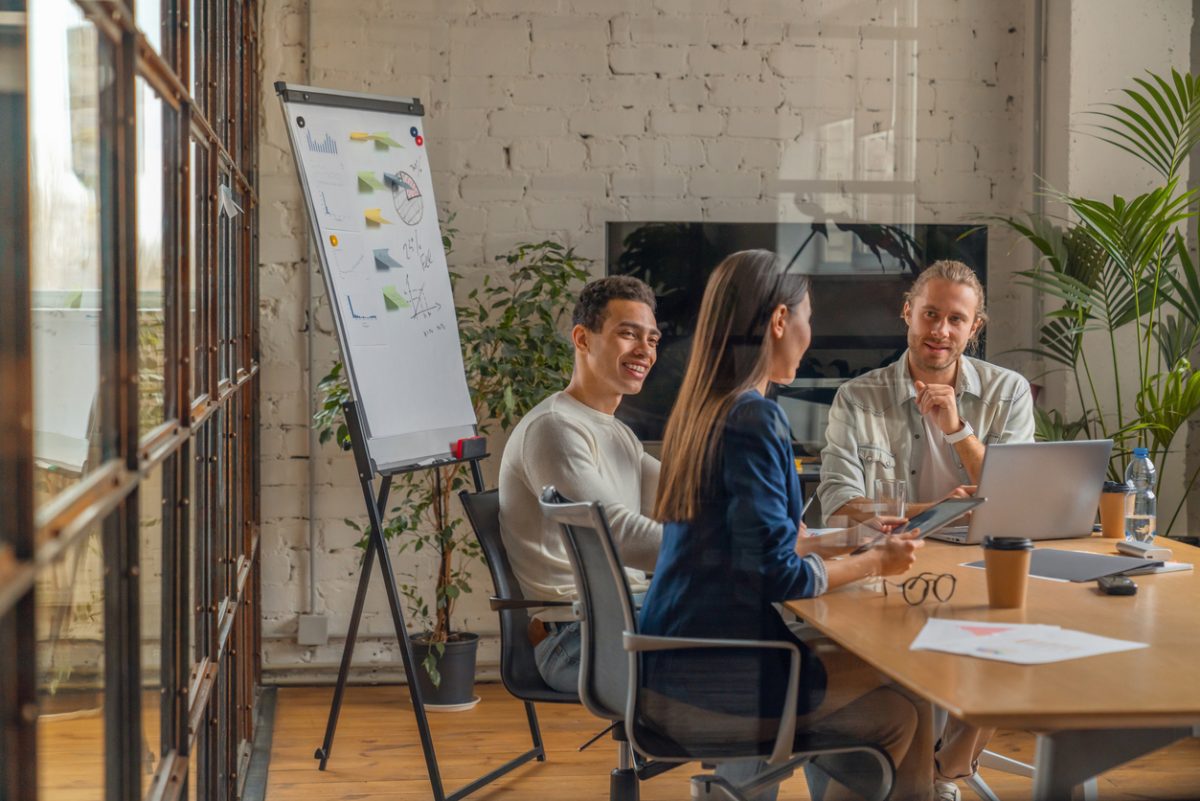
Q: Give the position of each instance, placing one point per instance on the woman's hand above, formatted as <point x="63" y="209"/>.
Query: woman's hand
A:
<point x="805" y="542"/>
<point x="846" y="540"/>
<point x="885" y="523"/>
<point x="897" y="554"/>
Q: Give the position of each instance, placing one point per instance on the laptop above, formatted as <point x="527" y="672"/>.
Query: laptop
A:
<point x="1039" y="490"/>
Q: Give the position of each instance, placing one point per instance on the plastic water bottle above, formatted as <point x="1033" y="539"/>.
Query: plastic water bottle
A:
<point x="1141" y="523"/>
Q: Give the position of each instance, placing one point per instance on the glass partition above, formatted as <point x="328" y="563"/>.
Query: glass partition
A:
<point x="150" y="574"/>
<point x="65" y="78"/>
<point x="227" y="240"/>
<point x="195" y="337"/>
<point x="70" y="673"/>
<point x="90" y="310"/>
<point x="148" y="14"/>
<point x="150" y="231"/>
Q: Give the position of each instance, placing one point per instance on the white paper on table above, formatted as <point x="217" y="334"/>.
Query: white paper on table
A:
<point x="1038" y="648"/>
<point x="1165" y="567"/>
<point x="939" y="632"/>
<point x="1022" y="644"/>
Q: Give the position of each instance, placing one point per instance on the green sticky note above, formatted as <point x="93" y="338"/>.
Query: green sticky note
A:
<point x="369" y="180"/>
<point x="392" y="299"/>
<point x="74" y="300"/>
<point x="386" y="140"/>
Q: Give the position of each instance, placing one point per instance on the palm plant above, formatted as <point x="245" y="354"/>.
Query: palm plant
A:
<point x="1119" y="263"/>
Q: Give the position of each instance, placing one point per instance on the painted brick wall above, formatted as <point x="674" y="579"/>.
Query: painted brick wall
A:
<point x="549" y="118"/>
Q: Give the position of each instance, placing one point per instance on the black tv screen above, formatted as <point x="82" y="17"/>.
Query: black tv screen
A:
<point x="859" y="271"/>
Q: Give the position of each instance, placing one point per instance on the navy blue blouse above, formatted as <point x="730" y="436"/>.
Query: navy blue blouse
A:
<point x="717" y="575"/>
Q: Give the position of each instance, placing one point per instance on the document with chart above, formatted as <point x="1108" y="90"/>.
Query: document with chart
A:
<point x="1019" y="643"/>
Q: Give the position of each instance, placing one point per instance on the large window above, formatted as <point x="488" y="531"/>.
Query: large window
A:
<point x="128" y="380"/>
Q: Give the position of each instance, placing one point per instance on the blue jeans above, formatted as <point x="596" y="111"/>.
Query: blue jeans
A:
<point x="557" y="657"/>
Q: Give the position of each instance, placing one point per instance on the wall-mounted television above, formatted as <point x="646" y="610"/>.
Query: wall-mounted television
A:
<point x="860" y="272"/>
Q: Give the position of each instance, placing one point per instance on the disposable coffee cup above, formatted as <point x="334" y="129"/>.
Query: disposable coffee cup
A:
<point x="1006" y="562"/>
<point x="1115" y="500"/>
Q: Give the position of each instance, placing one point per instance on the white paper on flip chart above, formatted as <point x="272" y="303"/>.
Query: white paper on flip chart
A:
<point x="1019" y="643"/>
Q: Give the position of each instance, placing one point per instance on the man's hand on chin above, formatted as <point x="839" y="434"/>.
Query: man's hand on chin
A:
<point x="939" y="403"/>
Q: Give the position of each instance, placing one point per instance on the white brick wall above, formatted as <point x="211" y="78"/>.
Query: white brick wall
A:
<point x="549" y="118"/>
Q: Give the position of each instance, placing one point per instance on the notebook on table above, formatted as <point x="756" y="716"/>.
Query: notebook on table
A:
<point x="1052" y="563"/>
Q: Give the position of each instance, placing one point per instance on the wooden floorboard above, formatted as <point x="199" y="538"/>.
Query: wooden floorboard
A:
<point x="70" y="752"/>
<point x="377" y="755"/>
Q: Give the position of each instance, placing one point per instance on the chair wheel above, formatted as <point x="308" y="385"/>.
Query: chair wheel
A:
<point x="623" y="785"/>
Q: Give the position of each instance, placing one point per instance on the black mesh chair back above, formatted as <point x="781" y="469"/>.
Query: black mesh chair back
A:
<point x="605" y="602"/>
<point x="518" y="670"/>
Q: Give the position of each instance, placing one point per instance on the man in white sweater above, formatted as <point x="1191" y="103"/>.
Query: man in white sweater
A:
<point x="572" y="441"/>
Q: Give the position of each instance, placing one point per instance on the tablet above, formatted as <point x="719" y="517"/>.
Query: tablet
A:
<point x="933" y="519"/>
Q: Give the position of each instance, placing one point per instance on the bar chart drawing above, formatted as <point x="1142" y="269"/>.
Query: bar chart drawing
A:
<point x="326" y="145"/>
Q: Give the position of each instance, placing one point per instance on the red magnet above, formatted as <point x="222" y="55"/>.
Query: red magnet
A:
<point x="420" y="141"/>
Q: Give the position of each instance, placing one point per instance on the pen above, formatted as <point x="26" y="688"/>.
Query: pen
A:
<point x="807" y="504"/>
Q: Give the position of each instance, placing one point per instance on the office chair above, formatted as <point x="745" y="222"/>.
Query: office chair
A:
<point x="518" y="671"/>
<point x="667" y="730"/>
<point x="518" y="668"/>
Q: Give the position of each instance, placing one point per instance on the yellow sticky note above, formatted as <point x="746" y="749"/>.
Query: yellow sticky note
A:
<point x="376" y="216"/>
<point x="359" y="136"/>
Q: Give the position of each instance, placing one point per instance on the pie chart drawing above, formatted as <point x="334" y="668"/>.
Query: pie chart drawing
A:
<point x="410" y="205"/>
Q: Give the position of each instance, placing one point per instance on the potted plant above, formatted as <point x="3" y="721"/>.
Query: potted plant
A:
<point x="515" y="354"/>
<point x="1124" y="263"/>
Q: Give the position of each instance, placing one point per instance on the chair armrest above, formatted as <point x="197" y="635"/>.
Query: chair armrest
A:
<point x="784" y="739"/>
<point x="500" y="604"/>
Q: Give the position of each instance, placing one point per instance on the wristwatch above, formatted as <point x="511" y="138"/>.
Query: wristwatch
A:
<point x="960" y="435"/>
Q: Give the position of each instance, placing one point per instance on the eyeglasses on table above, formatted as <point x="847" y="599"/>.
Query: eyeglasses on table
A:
<point x="915" y="589"/>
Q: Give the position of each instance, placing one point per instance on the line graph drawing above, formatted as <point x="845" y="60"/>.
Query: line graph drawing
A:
<point x="347" y="254"/>
<point x="347" y="261"/>
<point x="332" y="215"/>
<point x="331" y="200"/>
<point x="354" y="314"/>
<point x="421" y="307"/>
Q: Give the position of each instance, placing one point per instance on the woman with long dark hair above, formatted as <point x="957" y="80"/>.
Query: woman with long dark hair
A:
<point x="730" y="500"/>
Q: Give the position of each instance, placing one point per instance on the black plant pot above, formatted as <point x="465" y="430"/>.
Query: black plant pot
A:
<point x="457" y="667"/>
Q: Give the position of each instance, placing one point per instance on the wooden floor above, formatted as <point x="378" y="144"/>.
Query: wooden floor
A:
<point x="70" y="751"/>
<point x="377" y="755"/>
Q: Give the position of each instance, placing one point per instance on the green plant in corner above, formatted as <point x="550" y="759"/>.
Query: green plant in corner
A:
<point x="1124" y="263"/>
<point x="514" y="354"/>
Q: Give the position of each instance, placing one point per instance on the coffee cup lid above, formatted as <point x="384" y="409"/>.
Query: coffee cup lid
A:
<point x="1117" y="486"/>
<point x="1008" y="543"/>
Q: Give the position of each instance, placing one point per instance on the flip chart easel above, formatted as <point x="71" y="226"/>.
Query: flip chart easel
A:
<point x="363" y="167"/>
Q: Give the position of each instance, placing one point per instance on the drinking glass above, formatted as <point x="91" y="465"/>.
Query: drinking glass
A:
<point x="890" y="496"/>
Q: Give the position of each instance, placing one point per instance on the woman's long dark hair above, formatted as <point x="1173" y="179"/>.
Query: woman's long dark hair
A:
<point x="728" y="357"/>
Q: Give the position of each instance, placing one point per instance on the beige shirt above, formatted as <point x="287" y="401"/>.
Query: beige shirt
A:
<point x="588" y="456"/>
<point x="875" y="430"/>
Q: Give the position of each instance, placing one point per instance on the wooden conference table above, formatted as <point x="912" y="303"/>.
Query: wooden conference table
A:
<point x="1089" y="714"/>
